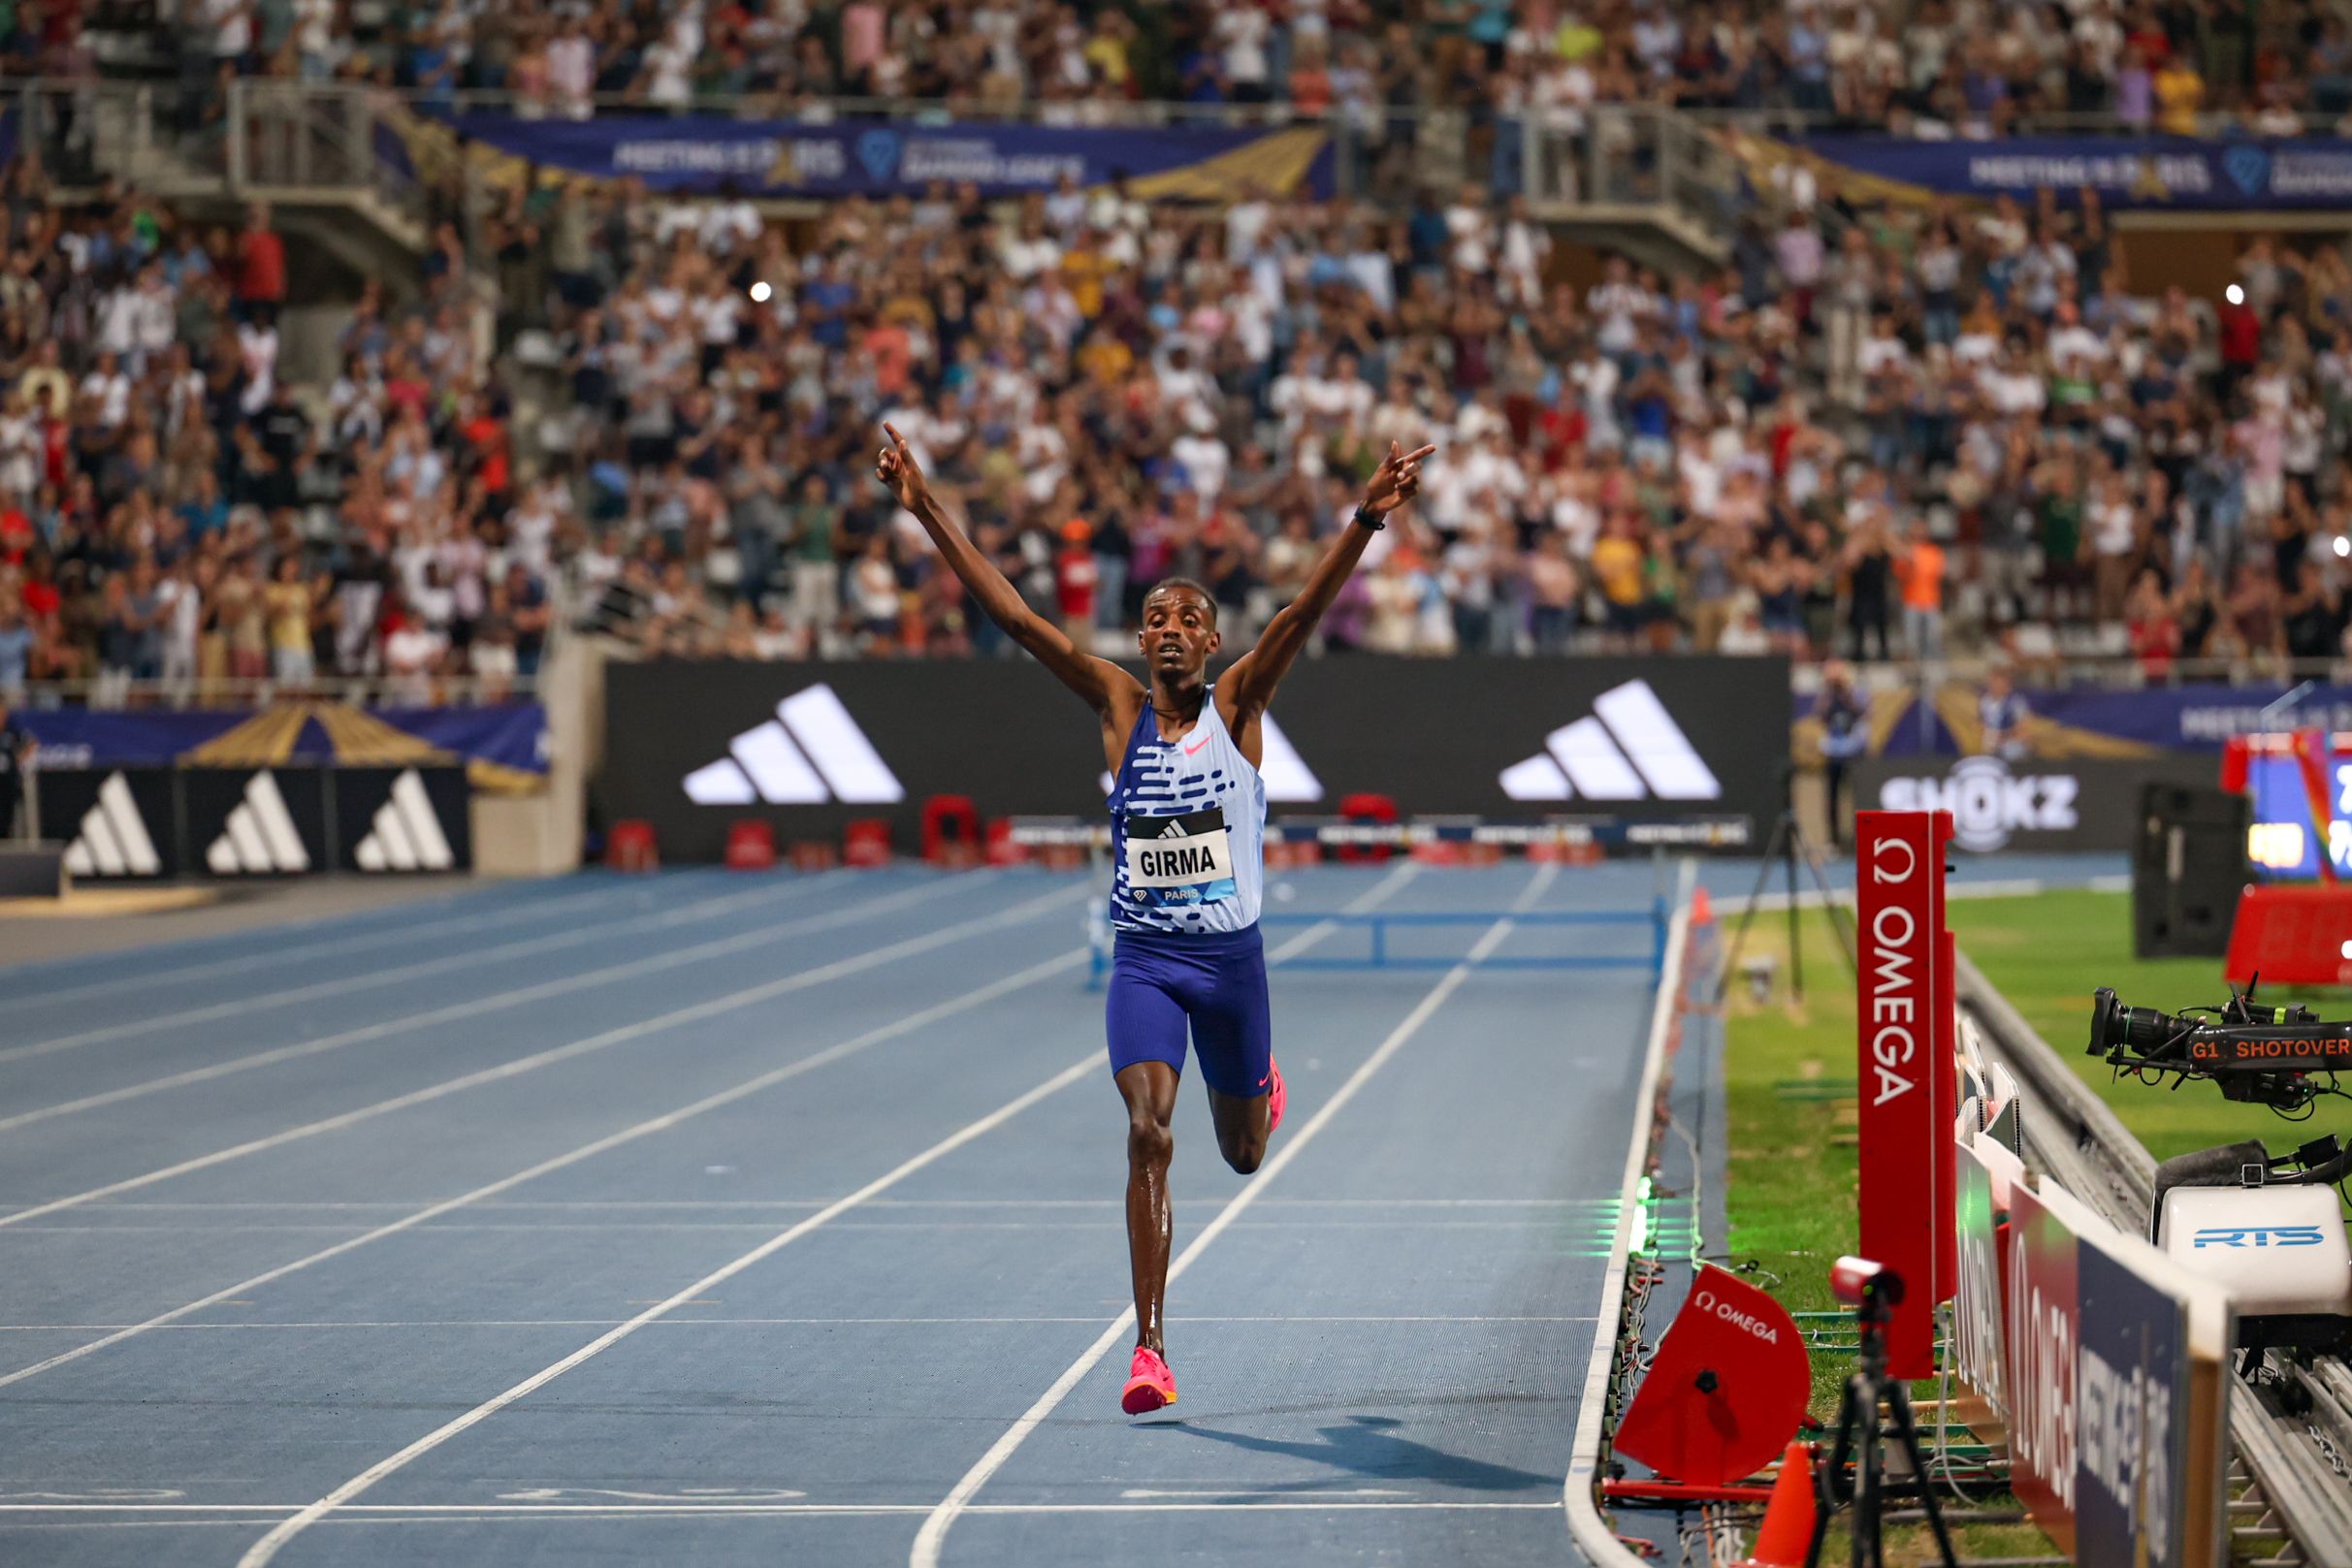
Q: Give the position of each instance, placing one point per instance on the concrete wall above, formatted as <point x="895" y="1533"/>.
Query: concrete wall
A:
<point x="540" y="834"/>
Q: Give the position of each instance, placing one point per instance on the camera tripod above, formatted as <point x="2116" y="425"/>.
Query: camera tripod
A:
<point x="1788" y="846"/>
<point x="1861" y="1432"/>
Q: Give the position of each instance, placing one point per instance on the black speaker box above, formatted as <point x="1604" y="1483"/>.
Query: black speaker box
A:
<point x="2188" y="867"/>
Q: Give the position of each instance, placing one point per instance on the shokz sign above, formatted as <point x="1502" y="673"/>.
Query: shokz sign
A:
<point x="1904" y="1071"/>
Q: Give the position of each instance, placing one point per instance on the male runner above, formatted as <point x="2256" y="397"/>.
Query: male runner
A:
<point x="1187" y="824"/>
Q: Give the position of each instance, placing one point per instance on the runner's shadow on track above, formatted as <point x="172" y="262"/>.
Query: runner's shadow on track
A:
<point x="1370" y="1445"/>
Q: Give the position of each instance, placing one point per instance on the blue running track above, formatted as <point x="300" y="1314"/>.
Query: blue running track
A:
<point x="745" y="1221"/>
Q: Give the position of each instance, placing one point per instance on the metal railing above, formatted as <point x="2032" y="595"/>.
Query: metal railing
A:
<point x="264" y="136"/>
<point x="257" y="137"/>
<point x="1788" y="120"/>
<point x="289" y="136"/>
<point x="2121" y="673"/>
<point x="429" y="691"/>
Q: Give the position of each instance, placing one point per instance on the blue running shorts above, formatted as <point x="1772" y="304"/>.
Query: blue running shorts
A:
<point x="1212" y="980"/>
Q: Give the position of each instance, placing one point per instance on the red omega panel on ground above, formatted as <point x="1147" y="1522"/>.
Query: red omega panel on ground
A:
<point x="1727" y="1389"/>
<point x="1906" y="1193"/>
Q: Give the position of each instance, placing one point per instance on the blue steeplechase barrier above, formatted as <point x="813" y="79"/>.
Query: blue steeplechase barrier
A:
<point x="1380" y="953"/>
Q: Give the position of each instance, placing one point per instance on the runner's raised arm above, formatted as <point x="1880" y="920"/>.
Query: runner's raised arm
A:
<point x="1107" y="690"/>
<point x="1249" y="686"/>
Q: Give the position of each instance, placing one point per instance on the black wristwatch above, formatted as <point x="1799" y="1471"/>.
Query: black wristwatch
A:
<point x="1370" y="519"/>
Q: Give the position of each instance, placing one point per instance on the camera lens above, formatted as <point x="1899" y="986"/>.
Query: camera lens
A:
<point x="2104" y="1008"/>
<point x="2142" y="1031"/>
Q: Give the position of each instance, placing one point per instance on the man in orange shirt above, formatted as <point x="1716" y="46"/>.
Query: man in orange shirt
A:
<point x="1920" y="567"/>
<point x="261" y="267"/>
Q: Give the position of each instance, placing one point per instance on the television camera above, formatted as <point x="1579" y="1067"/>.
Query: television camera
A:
<point x="2267" y="1225"/>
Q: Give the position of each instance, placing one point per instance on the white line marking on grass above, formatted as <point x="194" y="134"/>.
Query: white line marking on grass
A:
<point x="497" y="1002"/>
<point x="270" y="1545"/>
<point x="962" y="931"/>
<point x="629" y="1135"/>
<point x="420" y="925"/>
<point x="342" y="986"/>
<point x="932" y="1537"/>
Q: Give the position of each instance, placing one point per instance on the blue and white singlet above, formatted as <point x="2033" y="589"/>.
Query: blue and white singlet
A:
<point x="1187" y="830"/>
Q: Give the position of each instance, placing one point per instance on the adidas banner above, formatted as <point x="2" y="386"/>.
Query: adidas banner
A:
<point x="693" y="746"/>
<point x="401" y="820"/>
<point x="267" y="823"/>
<point x="115" y="823"/>
<point x="140" y="823"/>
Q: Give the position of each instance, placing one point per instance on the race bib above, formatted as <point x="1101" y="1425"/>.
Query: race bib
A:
<point x="1183" y="859"/>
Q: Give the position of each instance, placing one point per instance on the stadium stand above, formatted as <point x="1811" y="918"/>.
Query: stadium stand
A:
<point x="1888" y="430"/>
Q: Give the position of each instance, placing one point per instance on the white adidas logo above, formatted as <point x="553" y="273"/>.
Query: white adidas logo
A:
<point x="114" y="839"/>
<point x="1287" y="778"/>
<point x="1633" y="750"/>
<point x="812" y="751"/>
<point x="406" y="833"/>
<point x="260" y="836"/>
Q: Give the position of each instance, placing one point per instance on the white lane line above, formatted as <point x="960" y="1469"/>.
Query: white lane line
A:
<point x="629" y="1135"/>
<point x="601" y="1205"/>
<point x="1532" y="1225"/>
<point x="416" y="923"/>
<point x="777" y="1323"/>
<point x="802" y="979"/>
<point x="345" y="984"/>
<point x="486" y="1512"/>
<point x="932" y="1538"/>
<point x="497" y="1002"/>
<point x="924" y="1228"/>
<point x="269" y="1546"/>
<point x="1594" y="1535"/>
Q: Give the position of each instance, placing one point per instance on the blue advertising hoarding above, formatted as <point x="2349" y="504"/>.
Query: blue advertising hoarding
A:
<point x="2139" y="171"/>
<point x="2061" y="723"/>
<point x="778" y="158"/>
<point x="2131" y="1435"/>
<point x="504" y="744"/>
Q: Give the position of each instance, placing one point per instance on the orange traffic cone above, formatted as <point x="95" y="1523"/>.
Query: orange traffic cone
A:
<point x="1702" y="909"/>
<point x="1787" y="1533"/>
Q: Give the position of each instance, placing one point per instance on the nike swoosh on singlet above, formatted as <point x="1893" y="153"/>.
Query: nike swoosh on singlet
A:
<point x="1190" y="749"/>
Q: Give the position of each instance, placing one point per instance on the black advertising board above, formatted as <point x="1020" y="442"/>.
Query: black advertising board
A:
<point x="155" y="823"/>
<point x="2031" y="803"/>
<point x="401" y="819"/>
<point x="693" y="746"/>
<point x="255" y="821"/>
<point x="115" y="823"/>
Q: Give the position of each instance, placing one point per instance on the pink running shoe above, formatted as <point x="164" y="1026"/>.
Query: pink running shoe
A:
<point x="1277" y="1096"/>
<point x="1149" y="1384"/>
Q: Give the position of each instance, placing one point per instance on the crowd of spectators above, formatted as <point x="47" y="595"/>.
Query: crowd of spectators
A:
<point x="173" y="510"/>
<point x="1874" y="432"/>
<point x="1937" y="66"/>
<point x="1881" y="430"/>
